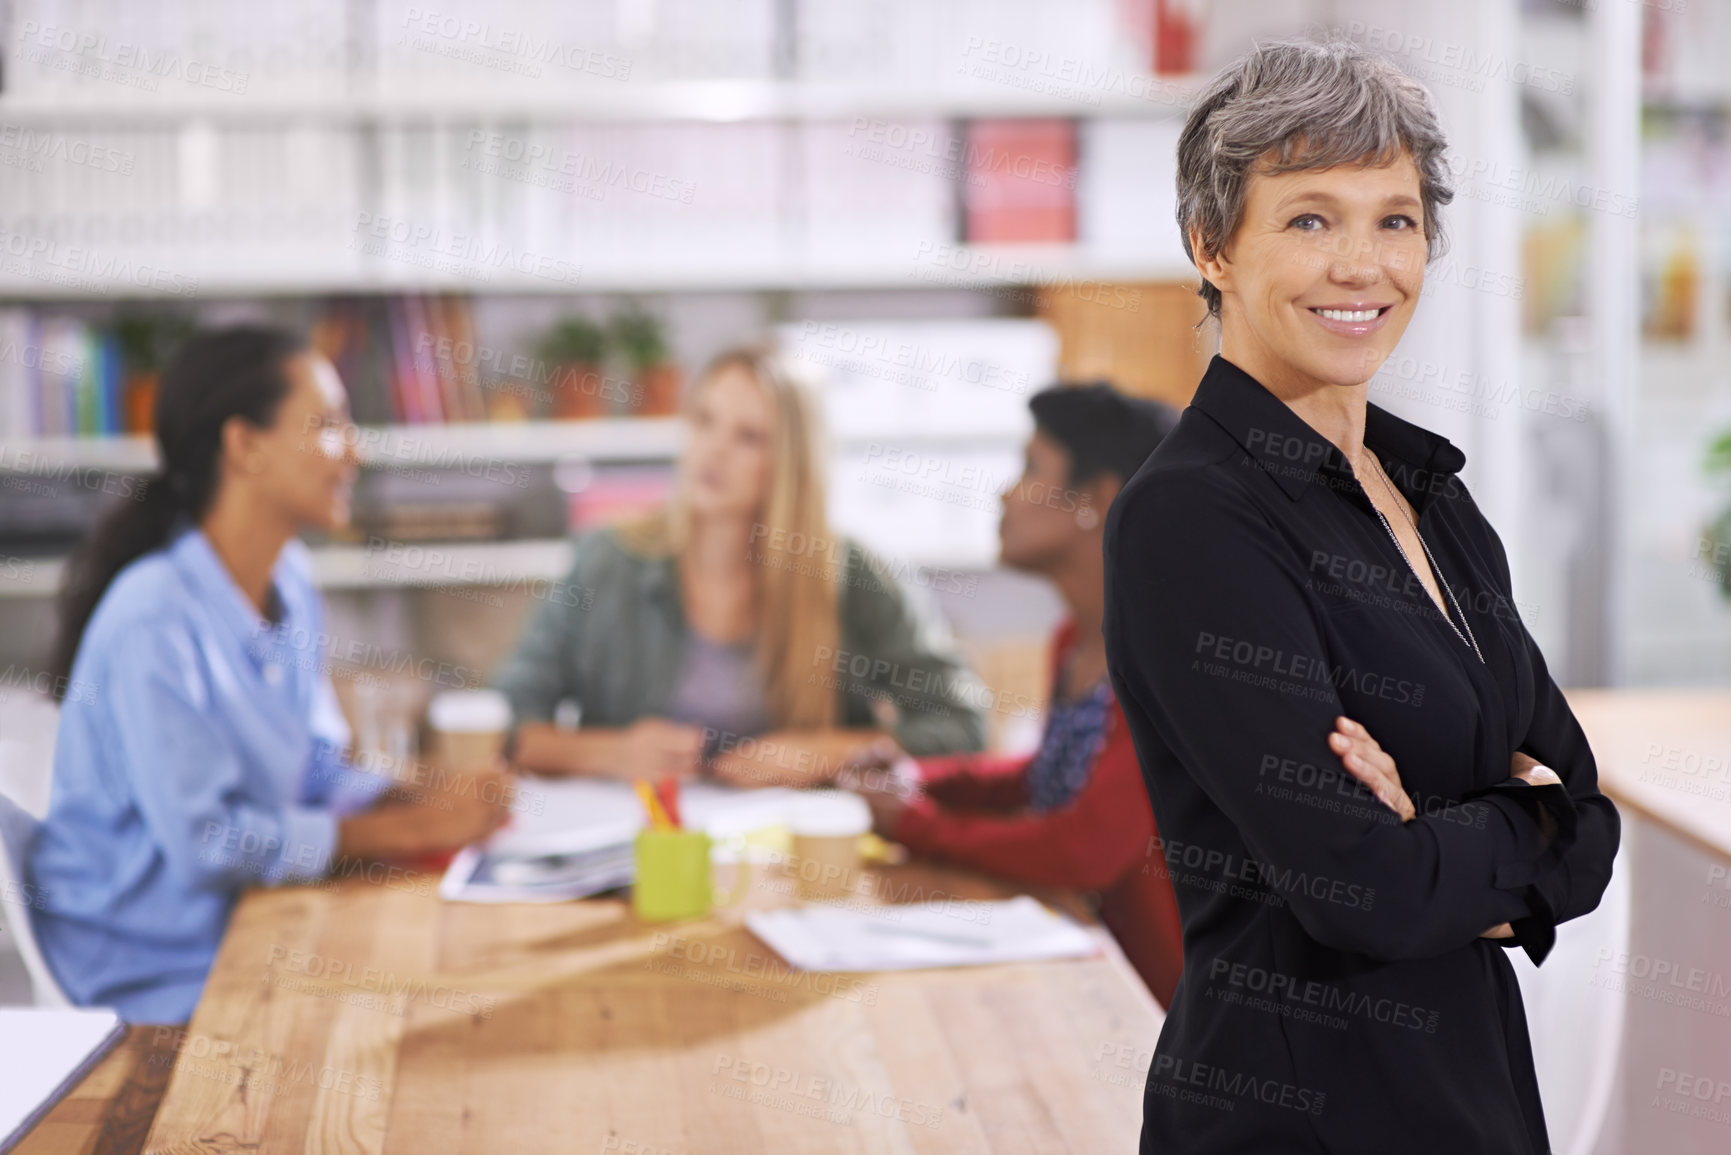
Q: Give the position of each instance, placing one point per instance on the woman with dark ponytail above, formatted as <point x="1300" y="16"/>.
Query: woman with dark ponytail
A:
<point x="200" y="746"/>
<point x="234" y="373"/>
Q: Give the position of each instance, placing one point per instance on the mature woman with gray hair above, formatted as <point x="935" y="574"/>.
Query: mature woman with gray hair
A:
<point x="1366" y="782"/>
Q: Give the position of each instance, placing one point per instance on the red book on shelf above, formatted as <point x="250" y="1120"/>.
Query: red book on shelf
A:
<point x="1177" y="30"/>
<point x="1021" y="185"/>
<point x="433" y="353"/>
<point x="464" y="359"/>
<point x="1166" y="33"/>
<point x="405" y="391"/>
<point x="423" y="369"/>
<point x="619" y="492"/>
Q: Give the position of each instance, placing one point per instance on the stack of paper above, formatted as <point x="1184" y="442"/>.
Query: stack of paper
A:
<point x="914" y="935"/>
<point x="481" y="875"/>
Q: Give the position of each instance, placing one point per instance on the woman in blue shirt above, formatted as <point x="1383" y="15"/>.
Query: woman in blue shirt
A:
<point x="200" y="746"/>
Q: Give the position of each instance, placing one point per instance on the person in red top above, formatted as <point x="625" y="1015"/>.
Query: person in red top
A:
<point x="1075" y="813"/>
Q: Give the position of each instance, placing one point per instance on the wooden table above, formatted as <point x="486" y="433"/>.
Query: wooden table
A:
<point x="369" y="1018"/>
<point x="1665" y="754"/>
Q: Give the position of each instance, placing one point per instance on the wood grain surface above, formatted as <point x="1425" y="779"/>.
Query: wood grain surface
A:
<point x="363" y="1018"/>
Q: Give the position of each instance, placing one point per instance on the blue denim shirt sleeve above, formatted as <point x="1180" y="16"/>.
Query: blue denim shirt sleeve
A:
<point x="215" y="826"/>
<point x="333" y="782"/>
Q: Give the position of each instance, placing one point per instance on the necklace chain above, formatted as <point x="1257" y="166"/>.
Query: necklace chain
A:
<point x="1435" y="569"/>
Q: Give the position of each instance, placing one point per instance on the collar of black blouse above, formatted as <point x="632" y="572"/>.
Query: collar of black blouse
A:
<point x="1421" y="464"/>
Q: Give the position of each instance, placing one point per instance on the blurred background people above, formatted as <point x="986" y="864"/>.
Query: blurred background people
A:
<point x="1074" y="813"/>
<point x="200" y="745"/>
<point x="735" y="613"/>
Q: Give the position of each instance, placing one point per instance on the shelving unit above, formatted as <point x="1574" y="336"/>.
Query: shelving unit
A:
<point x="1679" y="620"/>
<point x="56" y="454"/>
<point x="923" y="266"/>
<point x="455" y="445"/>
<point x="258" y="202"/>
<point x="515" y="565"/>
<point x="353" y="567"/>
<point x="419" y="446"/>
<point x="442" y="564"/>
<point x="698" y="101"/>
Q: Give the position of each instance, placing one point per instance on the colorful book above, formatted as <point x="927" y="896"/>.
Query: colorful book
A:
<point x="1021" y="185"/>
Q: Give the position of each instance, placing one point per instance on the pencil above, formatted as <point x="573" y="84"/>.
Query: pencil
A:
<point x="667" y="789"/>
<point x="657" y="816"/>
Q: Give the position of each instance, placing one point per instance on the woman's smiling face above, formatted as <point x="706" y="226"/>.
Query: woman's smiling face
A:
<point x="1324" y="272"/>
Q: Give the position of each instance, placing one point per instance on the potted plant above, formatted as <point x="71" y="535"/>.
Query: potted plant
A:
<point x="576" y="350"/>
<point x="655" y="376"/>
<point x="147" y="340"/>
<point x="1715" y="545"/>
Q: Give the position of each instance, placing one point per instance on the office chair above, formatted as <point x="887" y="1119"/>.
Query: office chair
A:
<point x="17" y="831"/>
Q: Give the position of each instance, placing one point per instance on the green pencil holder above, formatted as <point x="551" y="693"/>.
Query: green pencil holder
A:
<point x="673" y="880"/>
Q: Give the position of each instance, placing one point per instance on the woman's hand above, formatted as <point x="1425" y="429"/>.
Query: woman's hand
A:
<point x="797" y="758"/>
<point x="1529" y="770"/>
<point x="653" y="748"/>
<point x="887" y="779"/>
<point x="476" y="804"/>
<point x="464" y="807"/>
<point x="1366" y="761"/>
<point x="888" y="798"/>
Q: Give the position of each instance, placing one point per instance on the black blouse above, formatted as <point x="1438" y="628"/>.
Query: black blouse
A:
<point x="1336" y="994"/>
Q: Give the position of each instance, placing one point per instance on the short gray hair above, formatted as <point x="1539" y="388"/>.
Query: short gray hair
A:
<point x="1312" y="105"/>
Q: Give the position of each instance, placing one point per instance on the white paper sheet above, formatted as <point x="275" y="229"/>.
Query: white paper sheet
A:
<point x="914" y="935"/>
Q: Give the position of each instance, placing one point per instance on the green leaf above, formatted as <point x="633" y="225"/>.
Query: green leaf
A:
<point x="640" y="338"/>
<point x="574" y="340"/>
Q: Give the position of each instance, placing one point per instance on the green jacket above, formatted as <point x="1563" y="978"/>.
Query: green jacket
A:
<point x="611" y="636"/>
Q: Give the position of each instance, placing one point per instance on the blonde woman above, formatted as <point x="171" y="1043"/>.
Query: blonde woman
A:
<point x="733" y="633"/>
